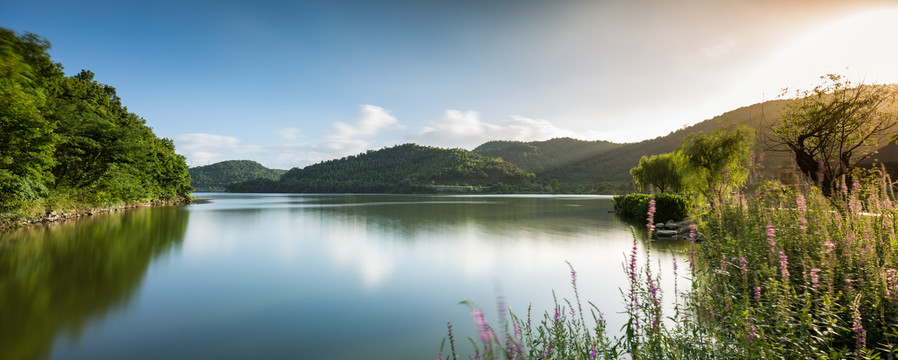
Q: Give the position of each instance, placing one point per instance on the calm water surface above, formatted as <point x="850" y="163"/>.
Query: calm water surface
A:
<point x="302" y="276"/>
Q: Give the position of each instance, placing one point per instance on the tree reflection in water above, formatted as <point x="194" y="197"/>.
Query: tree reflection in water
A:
<point x="57" y="279"/>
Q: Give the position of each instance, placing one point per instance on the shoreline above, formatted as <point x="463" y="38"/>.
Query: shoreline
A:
<point x="59" y="216"/>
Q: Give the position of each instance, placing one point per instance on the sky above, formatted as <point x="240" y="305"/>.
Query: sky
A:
<point x="292" y="83"/>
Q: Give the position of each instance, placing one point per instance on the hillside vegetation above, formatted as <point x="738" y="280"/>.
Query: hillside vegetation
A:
<point x="582" y="163"/>
<point x="67" y="142"/>
<point x="542" y="156"/>
<point x="216" y="177"/>
<point x="403" y="168"/>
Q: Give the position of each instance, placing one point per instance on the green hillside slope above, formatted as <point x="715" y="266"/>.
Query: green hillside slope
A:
<point x="216" y="176"/>
<point x="614" y="165"/>
<point x="540" y="156"/>
<point x="584" y="162"/>
<point x="402" y="168"/>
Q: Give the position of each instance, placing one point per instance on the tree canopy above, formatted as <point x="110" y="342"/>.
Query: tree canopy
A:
<point x="717" y="163"/>
<point x="659" y="172"/>
<point x="68" y="140"/>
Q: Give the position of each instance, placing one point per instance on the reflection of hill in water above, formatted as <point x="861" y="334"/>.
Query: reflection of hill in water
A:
<point x="58" y="279"/>
<point x="414" y="215"/>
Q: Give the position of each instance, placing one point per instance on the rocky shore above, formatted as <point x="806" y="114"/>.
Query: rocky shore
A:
<point x="674" y="230"/>
<point x="55" y="216"/>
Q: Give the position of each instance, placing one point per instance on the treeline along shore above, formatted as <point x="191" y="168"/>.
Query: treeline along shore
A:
<point x="69" y="146"/>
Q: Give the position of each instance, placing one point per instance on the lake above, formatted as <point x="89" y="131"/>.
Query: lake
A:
<point x="304" y="276"/>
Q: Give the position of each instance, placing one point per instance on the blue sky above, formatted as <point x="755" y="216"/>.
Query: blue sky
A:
<point x="290" y="83"/>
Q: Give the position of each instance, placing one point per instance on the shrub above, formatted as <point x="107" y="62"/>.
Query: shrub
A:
<point x="634" y="207"/>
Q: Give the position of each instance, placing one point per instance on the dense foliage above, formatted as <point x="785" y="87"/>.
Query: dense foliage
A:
<point x="717" y="163"/>
<point x="216" y="177"/>
<point x="636" y="206"/>
<point x="404" y="169"/>
<point x="538" y="156"/>
<point x="68" y="142"/>
<point x="660" y="172"/>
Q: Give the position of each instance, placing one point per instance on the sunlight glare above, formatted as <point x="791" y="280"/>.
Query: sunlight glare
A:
<point x="861" y="46"/>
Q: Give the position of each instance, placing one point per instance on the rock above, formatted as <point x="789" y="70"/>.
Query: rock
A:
<point x="671" y="225"/>
<point x="665" y="233"/>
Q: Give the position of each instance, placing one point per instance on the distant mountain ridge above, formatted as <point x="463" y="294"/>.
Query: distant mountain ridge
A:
<point x="216" y="177"/>
<point x="581" y="162"/>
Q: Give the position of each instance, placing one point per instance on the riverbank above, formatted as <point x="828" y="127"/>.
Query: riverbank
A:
<point x="57" y="216"/>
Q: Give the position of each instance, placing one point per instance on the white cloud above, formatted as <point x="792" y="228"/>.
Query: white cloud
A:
<point x="289" y="133"/>
<point x="369" y="121"/>
<point x="204" y="149"/>
<point x="465" y="129"/>
<point x="201" y="140"/>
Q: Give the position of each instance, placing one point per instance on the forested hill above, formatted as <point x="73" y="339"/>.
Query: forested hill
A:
<point x="539" y="156"/>
<point x="67" y="142"/>
<point x="401" y="169"/>
<point x="577" y="163"/>
<point x="216" y="176"/>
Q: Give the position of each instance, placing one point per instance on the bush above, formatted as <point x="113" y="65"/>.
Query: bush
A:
<point x="635" y="206"/>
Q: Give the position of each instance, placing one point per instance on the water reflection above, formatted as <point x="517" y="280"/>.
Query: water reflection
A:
<point x="301" y="276"/>
<point x="60" y="278"/>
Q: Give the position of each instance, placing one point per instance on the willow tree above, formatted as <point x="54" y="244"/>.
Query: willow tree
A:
<point x="716" y="164"/>
<point x="659" y="172"/>
<point x="834" y="127"/>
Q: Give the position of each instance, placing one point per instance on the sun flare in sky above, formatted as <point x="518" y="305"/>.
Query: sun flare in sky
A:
<point x="863" y="46"/>
<point x="290" y="83"/>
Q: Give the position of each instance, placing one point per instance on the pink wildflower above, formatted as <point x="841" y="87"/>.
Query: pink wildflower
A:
<point x="784" y="266"/>
<point x="829" y="246"/>
<point x="751" y="332"/>
<point x="650" y="224"/>
<point x="860" y="334"/>
<point x="802" y="209"/>
<point x="771" y="236"/>
<point x="482" y="326"/>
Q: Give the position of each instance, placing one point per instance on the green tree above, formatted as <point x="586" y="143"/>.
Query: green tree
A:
<point x="26" y="137"/>
<point x="69" y="142"/>
<point x="659" y="172"/>
<point x="835" y="126"/>
<point x="554" y="185"/>
<point x="718" y="163"/>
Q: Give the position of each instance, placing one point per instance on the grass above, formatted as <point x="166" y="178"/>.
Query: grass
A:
<point x="784" y="272"/>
